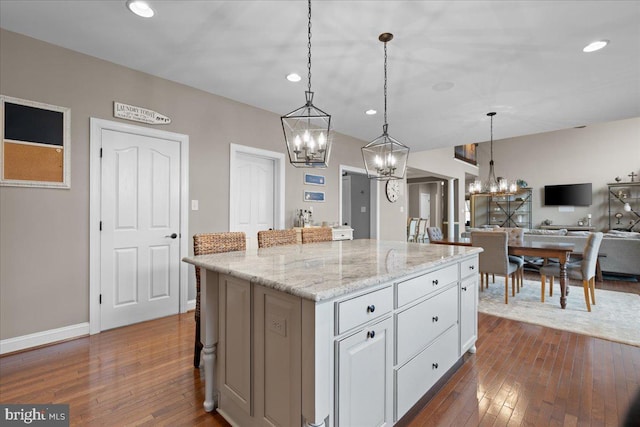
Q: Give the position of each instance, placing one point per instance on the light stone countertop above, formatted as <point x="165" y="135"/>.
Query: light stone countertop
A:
<point x="320" y="271"/>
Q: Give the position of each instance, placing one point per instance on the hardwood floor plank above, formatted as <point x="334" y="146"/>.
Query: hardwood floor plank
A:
<point x="521" y="375"/>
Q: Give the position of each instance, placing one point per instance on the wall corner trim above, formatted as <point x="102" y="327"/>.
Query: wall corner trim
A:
<point x="45" y="337"/>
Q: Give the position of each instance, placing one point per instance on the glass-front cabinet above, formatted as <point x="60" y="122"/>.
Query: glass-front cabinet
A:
<point x="624" y="206"/>
<point x="513" y="210"/>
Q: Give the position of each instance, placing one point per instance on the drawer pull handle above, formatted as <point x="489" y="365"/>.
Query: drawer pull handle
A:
<point x="371" y="308"/>
<point x="472" y="267"/>
<point x="464" y="288"/>
<point x="434" y="318"/>
<point x="435" y="282"/>
<point x="434" y="366"/>
<point x="371" y="334"/>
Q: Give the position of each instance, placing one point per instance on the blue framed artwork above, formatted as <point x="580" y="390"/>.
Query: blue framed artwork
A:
<point x="313" y="179"/>
<point x="313" y="196"/>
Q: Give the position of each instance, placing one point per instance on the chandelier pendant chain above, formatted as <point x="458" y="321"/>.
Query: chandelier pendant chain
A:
<point x="309" y="48"/>
<point x="385" y="89"/>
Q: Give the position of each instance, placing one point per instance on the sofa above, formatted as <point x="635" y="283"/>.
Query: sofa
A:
<point x="620" y="250"/>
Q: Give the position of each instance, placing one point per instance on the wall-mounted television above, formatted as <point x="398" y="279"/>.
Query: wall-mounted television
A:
<point x="567" y="195"/>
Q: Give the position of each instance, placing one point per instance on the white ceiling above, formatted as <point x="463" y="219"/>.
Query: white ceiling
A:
<point x="522" y="59"/>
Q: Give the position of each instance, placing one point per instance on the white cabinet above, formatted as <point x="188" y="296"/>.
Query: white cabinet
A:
<point x="342" y="233"/>
<point x="364" y="368"/>
<point x="468" y="314"/>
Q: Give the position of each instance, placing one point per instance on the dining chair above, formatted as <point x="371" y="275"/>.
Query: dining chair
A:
<point x="515" y="238"/>
<point x="584" y="270"/>
<point x="412" y="230"/>
<point x="316" y="234"/>
<point x="434" y="233"/>
<point x="494" y="259"/>
<point x="268" y="238"/>
<point x="212" y="243"/>
<point x="421" y="234"/>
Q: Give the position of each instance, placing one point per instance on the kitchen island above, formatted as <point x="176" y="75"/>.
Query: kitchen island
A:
<point x="340" y="333"/>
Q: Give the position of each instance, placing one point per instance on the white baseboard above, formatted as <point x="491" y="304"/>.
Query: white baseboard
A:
<point x="191" y="305"/>
<point x="45" y="337"/>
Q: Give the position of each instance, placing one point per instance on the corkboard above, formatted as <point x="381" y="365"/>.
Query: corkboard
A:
<point x="35" y="148"/>
<point x="29" y="162"/>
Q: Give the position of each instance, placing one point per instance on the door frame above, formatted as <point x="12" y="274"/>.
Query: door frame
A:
<point x="279" y="181"/>
<point x="95" y="195"/>
<point x="374" y="204"/>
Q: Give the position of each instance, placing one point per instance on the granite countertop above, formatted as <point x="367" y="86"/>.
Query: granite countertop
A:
<point x="320" y="271"/>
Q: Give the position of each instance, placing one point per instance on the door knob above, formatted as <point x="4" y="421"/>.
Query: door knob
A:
<point x="173" y="236"/>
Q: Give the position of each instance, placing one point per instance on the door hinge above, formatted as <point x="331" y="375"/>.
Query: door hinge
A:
<point x="100" y="225"/>
<point x="101" y="153"/>
<point x="100" y="298"/>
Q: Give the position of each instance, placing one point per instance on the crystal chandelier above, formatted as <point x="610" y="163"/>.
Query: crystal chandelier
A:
<point x="493" y="185"/>
<point x="385" y="158"/>
<point x="306" y="129"/>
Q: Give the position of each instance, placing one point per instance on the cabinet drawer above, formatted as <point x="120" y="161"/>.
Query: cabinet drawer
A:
<point x="422" y="323"/>
<point x="342" y="234"/>
<point x="359" y="310"/>
<point x="412" y="289"/>
<point x="469" y="267"/>
<point x="415" y="378"/>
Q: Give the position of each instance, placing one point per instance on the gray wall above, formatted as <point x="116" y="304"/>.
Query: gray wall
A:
<point x="360" y="196"/>
<point x="44" y="233"/>
<point x="595" y="154"/>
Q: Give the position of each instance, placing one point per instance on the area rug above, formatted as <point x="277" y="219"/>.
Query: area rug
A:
<point x="615" y="317"/>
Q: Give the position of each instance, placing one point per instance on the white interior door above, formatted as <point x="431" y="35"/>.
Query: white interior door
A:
<point x="140" y="237"/>
<point x="425" y="205"/>
<point x="253" y="183"/>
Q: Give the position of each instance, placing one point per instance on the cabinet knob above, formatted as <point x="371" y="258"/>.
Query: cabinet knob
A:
<point x="472" y="267"/>
<point x="371" y="308"/>
<point x="371" y="334"/>
<point x="434" y="366"/>
<point x="434" y="318"/>
<point x="464" y="288"/>
<point x="435" y="282"/>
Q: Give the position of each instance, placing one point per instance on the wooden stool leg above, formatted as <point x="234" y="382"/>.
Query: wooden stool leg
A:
<point x="543" y="280"/>
<point x="551" y="286"/>
<point x="592" y="286"/>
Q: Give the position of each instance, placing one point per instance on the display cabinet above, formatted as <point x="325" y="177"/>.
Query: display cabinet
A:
<point x="624" y="206"/>
<point x="512" y="210"/>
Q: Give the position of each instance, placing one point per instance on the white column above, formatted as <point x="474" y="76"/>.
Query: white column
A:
<point x="450" y="207"/>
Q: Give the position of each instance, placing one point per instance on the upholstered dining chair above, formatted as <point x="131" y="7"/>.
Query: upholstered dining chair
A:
<point x="495" y="259"/>
<point x="412" y="229"/>
<point x="212" y="243"/>
<point x="515" y="237"/>
<point x="421" y="235"/>
<point x="584" y="270"/>
<point x="316" y="234"/>
<point x="434" y="233"/>
<point x="268" y="238"/>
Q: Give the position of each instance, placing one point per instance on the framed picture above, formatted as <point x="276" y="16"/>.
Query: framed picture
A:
<point x="313" y="179"/>
<point x="466" y="153"/>
<point x="35" y="148"/>
<point x="313" y="196"/>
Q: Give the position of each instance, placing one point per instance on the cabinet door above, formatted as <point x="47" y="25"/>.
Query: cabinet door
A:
<point x="468" y="314"/>
<point x="364" y="374"/>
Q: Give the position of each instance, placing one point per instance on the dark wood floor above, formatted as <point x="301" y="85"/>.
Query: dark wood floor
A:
<point x="522" y="374"/>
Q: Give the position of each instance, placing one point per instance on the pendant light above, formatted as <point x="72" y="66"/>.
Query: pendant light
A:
<point x="307" y="129"/>
<point x="385" y="158"/>
<point x="493" y="185"/>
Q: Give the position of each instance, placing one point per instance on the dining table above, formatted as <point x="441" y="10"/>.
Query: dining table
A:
<point x="560" y="251"/>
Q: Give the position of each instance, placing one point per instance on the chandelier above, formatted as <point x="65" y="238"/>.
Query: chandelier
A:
<point x="493" y="185"/>
<point x="385" y="158"/>
<point x="306" y="129"/>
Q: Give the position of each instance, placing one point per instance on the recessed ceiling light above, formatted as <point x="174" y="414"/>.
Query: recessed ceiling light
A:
<point x="293" y="77"/>
<point x="597" y="45"/>
<point x="370" y="112"/>
<point x="442" y="86"/>
<point x="140" y="8"/>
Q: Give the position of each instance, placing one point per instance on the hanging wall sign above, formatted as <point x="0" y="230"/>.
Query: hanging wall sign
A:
<point x="139" y="114"/>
